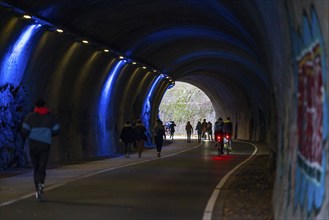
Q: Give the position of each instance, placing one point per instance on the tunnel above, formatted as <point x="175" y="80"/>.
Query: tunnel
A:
<point x="99" y="63"/>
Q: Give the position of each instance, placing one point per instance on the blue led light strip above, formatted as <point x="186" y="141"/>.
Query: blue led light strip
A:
<point x="16" y="58"/>
<point x="146" y="112"/>
<point x="104" y="110"/>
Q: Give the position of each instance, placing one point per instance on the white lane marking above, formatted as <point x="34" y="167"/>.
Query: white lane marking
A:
<point x="207" y="214"/>
<point x="56" y="185"/>
<point x="18" y="199"/>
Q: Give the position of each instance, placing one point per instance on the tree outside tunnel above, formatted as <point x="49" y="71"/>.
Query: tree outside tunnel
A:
<point x="185" y="102"/>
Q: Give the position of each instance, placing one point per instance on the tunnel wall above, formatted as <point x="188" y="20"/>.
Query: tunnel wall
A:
<point x="71" y="77"/>
<point x="91" y="92"/>
<point x="300" y="73"/>
<point x="250" y="114"/>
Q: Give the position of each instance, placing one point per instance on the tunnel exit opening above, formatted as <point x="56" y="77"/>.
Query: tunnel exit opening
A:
<point x="186" y="102"/>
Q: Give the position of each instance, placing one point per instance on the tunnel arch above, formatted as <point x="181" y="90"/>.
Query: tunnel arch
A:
<point x="223" y="65"/>
<point x="244" y="56"/>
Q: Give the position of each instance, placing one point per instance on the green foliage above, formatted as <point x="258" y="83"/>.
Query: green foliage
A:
<point x="185" y="102"/>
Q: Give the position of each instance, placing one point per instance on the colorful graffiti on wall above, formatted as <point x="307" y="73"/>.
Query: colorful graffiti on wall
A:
<point x="312" y="117"/>
<point x="13" y="64"/>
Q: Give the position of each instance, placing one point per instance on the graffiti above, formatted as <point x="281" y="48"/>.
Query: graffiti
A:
<point x="11" y="116"/>
<point x="13" y="64"/>
<point x="312" y="117"/>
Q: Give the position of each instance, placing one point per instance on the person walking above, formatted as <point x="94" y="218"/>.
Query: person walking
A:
<point x="127" y="136"/>
<point x="204" y="129"/>
<point x="189" y="130"/>
<point x="140" y="136"/>
<point x="199" y="131"/>
<point x="172" y="129"/>
<point x="209" y="131"/>
<point x="159" y="132"/>
<point x="38" y="128"/>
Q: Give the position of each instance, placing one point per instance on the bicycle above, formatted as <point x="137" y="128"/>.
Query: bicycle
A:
<point x="219" y="143"/>
<point x="228" y="143"/>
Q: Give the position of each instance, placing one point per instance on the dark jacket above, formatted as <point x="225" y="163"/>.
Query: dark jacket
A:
<point x="189" y="128"/>
<point x="140" y="132"/>
<point x="172" y="127"/>
<point x="227" y="126"/>
<point x="199" y="128"/>
<point x="127" y="134"/>
<point x="159" y="131"/>
<point x="219" y="126"/>
<point x="40" y="125"/>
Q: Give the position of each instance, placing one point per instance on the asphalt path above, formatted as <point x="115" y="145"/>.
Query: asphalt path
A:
<point x="173" y="187"/>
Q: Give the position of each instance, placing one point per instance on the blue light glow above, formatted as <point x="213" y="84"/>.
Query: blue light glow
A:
<point x="104" y="110"/>
<point x="15" y="59"/>
<point x="147" y="107"/>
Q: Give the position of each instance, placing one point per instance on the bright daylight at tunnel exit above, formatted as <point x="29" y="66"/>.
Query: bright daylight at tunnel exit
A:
<point x="210" y="94"/>
<point x="185" y="102"/>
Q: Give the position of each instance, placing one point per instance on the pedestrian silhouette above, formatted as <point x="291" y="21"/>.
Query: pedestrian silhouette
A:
<point x="38" y="128"/>
<point x="127" y="136"/>
<point x="159" y="133"/>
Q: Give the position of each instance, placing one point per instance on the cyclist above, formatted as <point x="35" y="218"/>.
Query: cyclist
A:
<point x="219" y="137"/>
<point x="227" y="128"/>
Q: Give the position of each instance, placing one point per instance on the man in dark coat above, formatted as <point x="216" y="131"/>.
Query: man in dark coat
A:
<point x="128" y="137"/>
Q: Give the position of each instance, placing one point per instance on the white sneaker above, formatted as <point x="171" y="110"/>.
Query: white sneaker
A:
<point x="39" y="194"/>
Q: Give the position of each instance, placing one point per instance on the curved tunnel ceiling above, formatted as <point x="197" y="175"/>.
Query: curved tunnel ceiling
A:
<point x="215" y="45"/>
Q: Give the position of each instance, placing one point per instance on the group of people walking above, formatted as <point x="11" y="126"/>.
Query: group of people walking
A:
<point x="40" y="126"/>
<point x="137" y="135"/>
<point x="205" y="129"/>
<point x="130" y="136"/>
